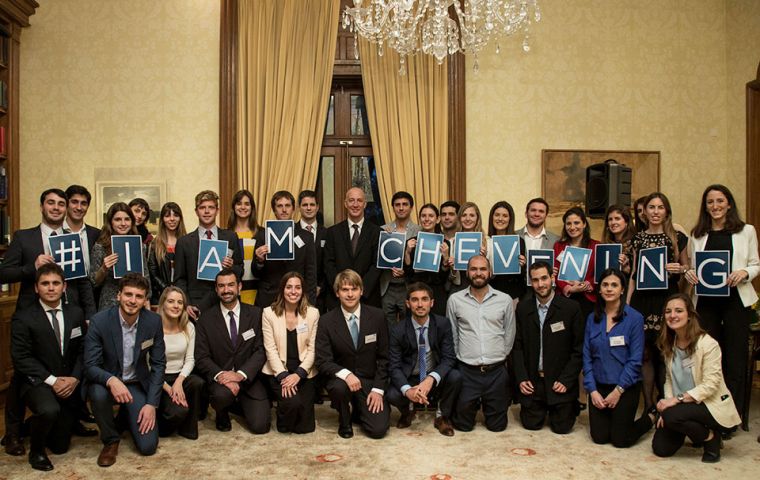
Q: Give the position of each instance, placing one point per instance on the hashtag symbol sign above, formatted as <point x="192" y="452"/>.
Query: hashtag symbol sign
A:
<point x="68" y="262"/>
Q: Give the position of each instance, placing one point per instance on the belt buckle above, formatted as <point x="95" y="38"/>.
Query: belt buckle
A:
<point x="483" y="368"/>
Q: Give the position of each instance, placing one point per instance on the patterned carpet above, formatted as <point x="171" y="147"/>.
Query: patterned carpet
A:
<point x="419" y="452"/>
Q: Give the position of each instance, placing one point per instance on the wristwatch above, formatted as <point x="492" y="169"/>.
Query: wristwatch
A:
<point x="679" y="397"/>
<point x="620" y="389"/>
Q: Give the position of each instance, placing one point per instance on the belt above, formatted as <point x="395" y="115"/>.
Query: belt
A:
<point x="484" y="368"/>
<point x="541" y="373"/>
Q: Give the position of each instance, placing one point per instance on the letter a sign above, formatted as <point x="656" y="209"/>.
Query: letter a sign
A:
<point x="210" y="256"/>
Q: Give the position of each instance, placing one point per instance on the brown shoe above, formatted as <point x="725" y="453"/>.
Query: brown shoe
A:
<point x="107" y="456"/>
<point x="444" y="426"/>
<point x="13" y="445"/>
<point x="406" y="419"/>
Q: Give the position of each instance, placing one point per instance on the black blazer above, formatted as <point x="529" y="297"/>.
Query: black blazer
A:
<point x="213" y="347"/>
<point x="403" y="349"/>
<point x="18" y="266"/>
<point x="93" y="233"/>
<point x="201" y="293"/>
<point x="104" y="351"/>
<point x="338" y="257"/>
<point x="563" y="349"/>
<point x="271" y="272"/>
<point x="35" y="350"/>
<point x="319" y="248"/>
<point x="335" y="348"/>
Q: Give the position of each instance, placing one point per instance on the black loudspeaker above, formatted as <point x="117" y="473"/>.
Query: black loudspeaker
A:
<point x="607" y="183"/>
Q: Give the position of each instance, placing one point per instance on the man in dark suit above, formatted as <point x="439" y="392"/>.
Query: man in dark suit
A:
<point x="78" y="202"/>
<point x="308" y="205"/>
<point x="200" y="293"/>
<point x="548" y="354"/>
<point x="352" y="352"/>
<point x="352" y="244"/>
<point x="46" y="346"/>
<point x="124" y="359"/>
<point x="270" y="272"/>
<point x="229" y="354"/>
<point x="422" y="361"/>
<point x="27" y="252"/>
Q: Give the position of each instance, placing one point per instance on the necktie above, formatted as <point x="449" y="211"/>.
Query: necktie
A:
<point x="309" y="228"/>
<point x="353" y="327"/>
<point x="542" y="311"/>
<point x="56" y="327"/>
<point x="355" y="238"/>
<point x="422" y="354"/>
<point x="233" y="329"/>
<point x="209" y="234"/>
<point x="53" y="233"/>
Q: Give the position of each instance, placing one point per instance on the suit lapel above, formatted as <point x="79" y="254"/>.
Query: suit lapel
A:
<point x="346" y="233"/>
<point x="46" y="326"/>
<point x="116" y="336"/>
<point x="67" y="327"/>
<point x="342" y="329"/>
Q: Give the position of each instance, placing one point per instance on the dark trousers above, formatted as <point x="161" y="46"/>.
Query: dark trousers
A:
<point x="53" y="418"/>
<point x="102" y="408"/>
<point x="375" y="425"/>
<point x="683" y="420"/>
<point x="727" y="321"/>
<point x="617" y="425"/>
<point x="15" y="408"/>
<point x="446" y="392"/>
<point x="295" y="414"/>
<point x="534" y="410"/>
<point x="394" y="303"/>
<point x="176" y="418"/>
<point x="488" y="388"/>
<point x="252" y="399"/>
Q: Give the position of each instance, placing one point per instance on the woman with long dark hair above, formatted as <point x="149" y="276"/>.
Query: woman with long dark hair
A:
<point x="171" y="226"/>
<point x="501" y="221"/>
<point x="429" y="223"/>
<point x="697" y="403"/>
<point x="612" y="349"/>
<point x="242" y="221"/>
<point x="727" y="319"/>
<point x="577" y="233"/>
<point x="619" y="228"/>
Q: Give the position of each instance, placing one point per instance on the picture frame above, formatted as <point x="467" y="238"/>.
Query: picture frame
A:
<point x="110" y="192"/>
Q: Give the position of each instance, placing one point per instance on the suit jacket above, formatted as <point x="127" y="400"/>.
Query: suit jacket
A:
<point x="213" y="347"/>
<point x="276" y="342"/>
<point x="35" y="350"/>
<point x="563" y="349"/>
<point x="338" y="256"/>
<point x="710" y="388"/>
<point x="18" y="266"/>
<point x="546" y="243"/>
<point x="271" y="272"/>
<point x="335" y="348"/>
<point x="104" y="351"/>
<point x="403" y="349"/>
<point x="93" y="233"/>
<point x="201" y="293"/>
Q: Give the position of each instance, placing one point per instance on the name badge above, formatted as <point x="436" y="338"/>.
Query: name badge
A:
<point x="687" y="362"/>
<point x="299" y="243"/>
<point x="248" y="334"/>
<point x="303" y="328"/>
<point x="76" y="332"/>
<point x="322" y="243"/>
<point x="618" y="341"/>
<point x="370" y="338"/>
<point x="557" y="326"/>
<point x="147" y="343"/>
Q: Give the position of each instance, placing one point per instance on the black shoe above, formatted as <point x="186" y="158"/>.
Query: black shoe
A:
<point x="712" y="449"/>
<point x="87" y="417"/>
<point x="13" y="445"/>
<point x="81" y="431"/>
<point x="406" y="419"/>
<point x="346" y="432"/>
<point x="223" y="423"/>
<point x="40" y="461"/>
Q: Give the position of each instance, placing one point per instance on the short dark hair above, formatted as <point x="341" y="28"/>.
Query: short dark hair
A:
<point x="307" y="194"/>
<point x="537" y="200"/>
<point x="56" y="191"/>
<point x="283" y="194"/>
<point x="142" y="203"/>
<point x="134" y="280"/>
<point x="78" y="190"/>
<point x="226" y="272"/>
<point x="416" y="287"/>
<point x="450" y="203"/>
<point x="47" y="269"/>
<point x="400" y="195"/>
<point x="539" y="265"/>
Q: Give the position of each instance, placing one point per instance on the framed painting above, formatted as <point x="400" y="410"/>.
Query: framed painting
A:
<point x="110" y="192"/>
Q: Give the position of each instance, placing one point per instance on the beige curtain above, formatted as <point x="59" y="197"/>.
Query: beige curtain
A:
<point x="285" y="59"/>
<point x="408" y="122"/>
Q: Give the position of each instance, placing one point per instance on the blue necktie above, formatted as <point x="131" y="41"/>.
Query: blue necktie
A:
<point x="353" y="327"/>
<point x="422" y="355"/>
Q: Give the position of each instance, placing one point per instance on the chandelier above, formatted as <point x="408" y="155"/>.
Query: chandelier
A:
<point x="411" y="26"/>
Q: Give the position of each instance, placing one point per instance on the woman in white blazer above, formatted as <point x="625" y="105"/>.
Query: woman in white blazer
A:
<point x="697" y="402"/>
<point x="290" y="330"/>
<point x="727" y="319"/>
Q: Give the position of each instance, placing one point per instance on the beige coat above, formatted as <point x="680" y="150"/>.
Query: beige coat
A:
<point x="276" y="341"/>
<point x="710" y="387"/>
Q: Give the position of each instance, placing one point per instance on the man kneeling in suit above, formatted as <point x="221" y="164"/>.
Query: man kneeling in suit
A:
<point x="422" y="361"/>
<point x="124" y="359"/>
<point x="229" y="353"/>
<point x="46" y="346"/>
<point x="352" y="351"/>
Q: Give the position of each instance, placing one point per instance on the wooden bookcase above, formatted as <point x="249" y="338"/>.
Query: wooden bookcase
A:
<point x="14" y="15"/>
